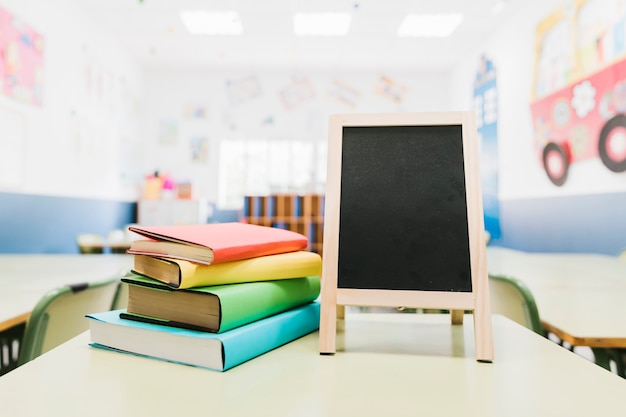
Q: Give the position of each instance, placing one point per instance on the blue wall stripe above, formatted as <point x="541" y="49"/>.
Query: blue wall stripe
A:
<point x="593" y="223"/>
<point x="588" y="223"/>
<point x="50" y="224"/>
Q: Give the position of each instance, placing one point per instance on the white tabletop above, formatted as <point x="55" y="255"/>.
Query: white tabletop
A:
<point x="25" y="278"/>
<point x="583" y="296"/>
<point x="386" y="365"/>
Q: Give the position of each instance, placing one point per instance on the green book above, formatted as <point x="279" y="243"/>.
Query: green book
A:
<point x="216" y="308"/>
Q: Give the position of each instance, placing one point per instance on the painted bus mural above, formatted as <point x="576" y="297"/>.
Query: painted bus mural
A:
<point x="579" y="97"/>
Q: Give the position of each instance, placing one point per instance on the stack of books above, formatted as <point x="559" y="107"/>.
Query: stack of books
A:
<point x="213" y="295"/>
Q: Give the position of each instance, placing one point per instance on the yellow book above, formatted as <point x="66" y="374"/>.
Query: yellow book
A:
<point x="183" y="274"/>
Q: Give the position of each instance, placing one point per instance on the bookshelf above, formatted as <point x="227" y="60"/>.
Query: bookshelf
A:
<point x="299" y="213"/>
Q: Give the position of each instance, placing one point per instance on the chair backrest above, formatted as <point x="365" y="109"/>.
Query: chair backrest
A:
<point x="121" y="297"/>
<point x="511" y="298"/>
<point x="60" y="315"/>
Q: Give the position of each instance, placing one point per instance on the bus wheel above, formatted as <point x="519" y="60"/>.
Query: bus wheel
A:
<point x="556" y="163"/>
<point x="612" y="144"/>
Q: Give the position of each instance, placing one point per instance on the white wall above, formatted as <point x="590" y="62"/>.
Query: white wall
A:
<point x="520" y="175"/>
<point x="249" y="106"/>
<point x="100" y="131"/>
<point x="80" y="142"/>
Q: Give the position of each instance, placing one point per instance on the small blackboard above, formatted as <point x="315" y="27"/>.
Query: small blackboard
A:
<point x="403" y="218"/>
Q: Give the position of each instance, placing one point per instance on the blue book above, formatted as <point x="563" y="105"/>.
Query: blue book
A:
<point x="218" y="352"/>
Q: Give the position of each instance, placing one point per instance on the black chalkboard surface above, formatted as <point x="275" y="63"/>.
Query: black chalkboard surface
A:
<point x="403" y="220"/>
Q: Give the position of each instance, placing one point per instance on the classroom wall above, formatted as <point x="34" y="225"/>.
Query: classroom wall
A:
<point x="105" y="124"/>
<point x="67" y="165"/>
<point x="77" y="143"/>
<point x="584" y="215"/>
<point x="264" y="130"/>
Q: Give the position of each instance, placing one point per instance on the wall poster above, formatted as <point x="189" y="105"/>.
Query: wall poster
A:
<point x="21" y="60"/>
<point x="486" y="108"/>
<point x="579" y="94"/>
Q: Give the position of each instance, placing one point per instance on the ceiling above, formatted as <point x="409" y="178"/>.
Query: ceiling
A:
<point x="154" y="34"/>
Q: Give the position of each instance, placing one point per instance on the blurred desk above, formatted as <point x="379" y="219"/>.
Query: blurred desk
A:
<point x="104" y="248"/>
<point x="385" y="365"/>
<point x="24" y="279"/>
<point x="581" y="297"/>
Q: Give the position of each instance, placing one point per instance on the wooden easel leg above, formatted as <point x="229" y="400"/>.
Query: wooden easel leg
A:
<point x="457" y="316"/>
<point x="328" y="327"/>
<point x="483" y="335"/>
<point x="341" y="312"/>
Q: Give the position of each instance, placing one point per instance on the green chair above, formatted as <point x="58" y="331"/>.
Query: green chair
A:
<point x="60" y="315"/>
<point x="121" y="297"/>
<point x="511" y="298"/>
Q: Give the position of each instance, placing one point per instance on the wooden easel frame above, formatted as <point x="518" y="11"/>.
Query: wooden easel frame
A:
<point x="334" y="299"/>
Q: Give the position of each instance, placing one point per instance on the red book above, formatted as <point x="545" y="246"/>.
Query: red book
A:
<point x="214" y="243"/>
